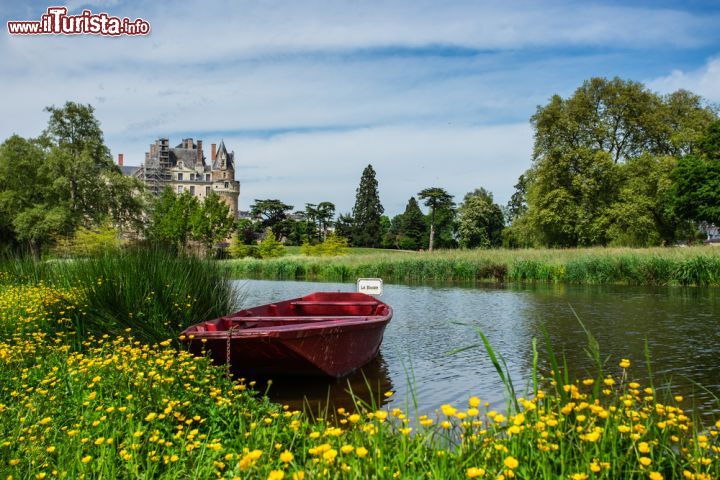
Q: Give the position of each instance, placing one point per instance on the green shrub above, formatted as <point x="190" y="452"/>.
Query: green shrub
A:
<point x="333" y="246"/>
<point x="239" y="249"/>
<point x="269" y="247"/>
<point x="87" y="242"/>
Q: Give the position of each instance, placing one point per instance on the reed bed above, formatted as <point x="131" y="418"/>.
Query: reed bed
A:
<point x="653" y="266"/>
<point x="153" y="293"/>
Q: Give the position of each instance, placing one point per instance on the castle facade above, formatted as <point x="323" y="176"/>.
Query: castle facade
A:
<point x="184" y="168"/>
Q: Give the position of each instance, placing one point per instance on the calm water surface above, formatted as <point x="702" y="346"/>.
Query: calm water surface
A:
<point x="682" y="328"/>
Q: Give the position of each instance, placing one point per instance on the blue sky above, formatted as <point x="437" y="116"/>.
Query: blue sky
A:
<point x="432" y="93"/>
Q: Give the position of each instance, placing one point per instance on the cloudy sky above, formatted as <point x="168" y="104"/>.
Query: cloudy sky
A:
<point x="307" y="93"/>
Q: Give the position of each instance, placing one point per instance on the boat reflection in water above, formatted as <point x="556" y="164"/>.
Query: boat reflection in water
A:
<point x="322" y="396"/>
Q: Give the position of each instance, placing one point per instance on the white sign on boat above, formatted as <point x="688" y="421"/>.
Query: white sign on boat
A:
<point x="370" y="286"/>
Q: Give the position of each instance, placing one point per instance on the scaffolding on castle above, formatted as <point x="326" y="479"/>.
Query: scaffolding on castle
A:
<point x="156" y="168"/>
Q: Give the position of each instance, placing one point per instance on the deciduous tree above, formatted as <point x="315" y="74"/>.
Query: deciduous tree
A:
<point x="480" y="220"/>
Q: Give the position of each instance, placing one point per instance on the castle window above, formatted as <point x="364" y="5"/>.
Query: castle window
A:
<point x="180" y="188"/>
<point x="207" y="177"/>
<point x="226" y="184"/>
<point x="192" y="177"/>
<point x="224" y="174"/>
<point x="207" y="190"/>
<point x="180" y="176"/>
<point x="192" y="189"/>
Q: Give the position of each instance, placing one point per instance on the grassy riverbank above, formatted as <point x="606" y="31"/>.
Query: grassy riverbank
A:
<point x="111" y="406"/>
<point x="652" y="266"/>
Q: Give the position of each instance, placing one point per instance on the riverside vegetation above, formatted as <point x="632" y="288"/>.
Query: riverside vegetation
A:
<point x="79" y="403"/>
<point x="652" y="266"/>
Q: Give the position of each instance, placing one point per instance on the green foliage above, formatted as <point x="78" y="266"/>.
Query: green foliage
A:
<point x="64" y="180"/>
<point x="333" y="245"/>
<point x="696" y="180"/>
<point x="601" y="164"/>
<point x="367" y="228"/>
<point x="88" y="242"/>
<point x="642" y="215"/>
<point x="274" y="214"/>
<point x="439" y="200"/>
<point x="269" y="247"/>
<point x="569" y="197"/>
<point x="211" y="222"/>
<point x="239" y="249"/>
<point x="517" y="206"/>
<point x="246" y="230"/>
<point x="408" y="230"/>
<point x="344" y="225"/>
<point x="318" y="219"/>
<point x="172" y="218"/>
<point x="480" y="221"/>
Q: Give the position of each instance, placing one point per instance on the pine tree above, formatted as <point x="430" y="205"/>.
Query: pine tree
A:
<point x="412" y="227"/>
<point x="367" y="229"/>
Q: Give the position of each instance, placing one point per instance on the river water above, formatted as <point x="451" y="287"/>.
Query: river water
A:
<point x="681" y="327"/>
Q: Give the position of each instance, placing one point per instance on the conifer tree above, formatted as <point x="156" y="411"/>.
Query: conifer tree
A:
<point x="412" y="227"/>
<point x="367" y="229"/>
<point x="437" y="199"/>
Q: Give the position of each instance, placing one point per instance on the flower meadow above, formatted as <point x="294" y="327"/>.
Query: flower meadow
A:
<point x="120" y="406"/>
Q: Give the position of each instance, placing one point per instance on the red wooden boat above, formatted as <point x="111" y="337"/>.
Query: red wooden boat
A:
<point x="319" y="334"/>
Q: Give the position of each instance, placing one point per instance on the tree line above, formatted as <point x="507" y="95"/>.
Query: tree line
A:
<point x="612" y="164"/>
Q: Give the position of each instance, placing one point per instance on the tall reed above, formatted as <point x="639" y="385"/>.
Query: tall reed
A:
<point x="670" y="266"/>
<point x="152" y="292"/>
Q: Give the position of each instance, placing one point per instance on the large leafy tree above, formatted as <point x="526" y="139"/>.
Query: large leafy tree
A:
<point x="212" y="221"/>
<point x="642" y="215"/>
<point x="274" y="215"/>
<point x="63" y="180"/>
<point x="367" y="229"/>
<point x="570" y="195"/>
<point x="480" y="220"/>
<point x="172" y="218"/>
<point x="578" y="189"/>
<point x="696" y="180"/>
<point x="438" y="199"/>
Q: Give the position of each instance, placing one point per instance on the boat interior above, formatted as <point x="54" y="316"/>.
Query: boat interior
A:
<point x="317" y="307"/>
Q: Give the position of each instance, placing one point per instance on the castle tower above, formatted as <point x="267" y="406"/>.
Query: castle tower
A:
<point x="223" y="177"/>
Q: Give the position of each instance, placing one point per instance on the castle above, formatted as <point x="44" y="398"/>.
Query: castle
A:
<point x="183" y="168"/>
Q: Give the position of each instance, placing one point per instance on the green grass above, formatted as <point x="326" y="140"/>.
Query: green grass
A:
<point x="352" y="251"/>
<point x="651" y="266"/>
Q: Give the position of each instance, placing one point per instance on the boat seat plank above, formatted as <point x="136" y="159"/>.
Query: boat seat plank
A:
<point x="348" y="303"/>
<point x="296" y="319"/>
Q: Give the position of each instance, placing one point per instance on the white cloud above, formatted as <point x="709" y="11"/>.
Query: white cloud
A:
<point x="209" y="31"/>
<point x="314" y="167"/>
<point x="704" y="81"/>
<point x="412" y="87"/>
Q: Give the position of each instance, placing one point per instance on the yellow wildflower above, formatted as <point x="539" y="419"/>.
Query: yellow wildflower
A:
<point x="473" y="472"/>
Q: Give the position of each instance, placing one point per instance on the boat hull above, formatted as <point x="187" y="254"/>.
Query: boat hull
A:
<point x="326" y="340"/>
